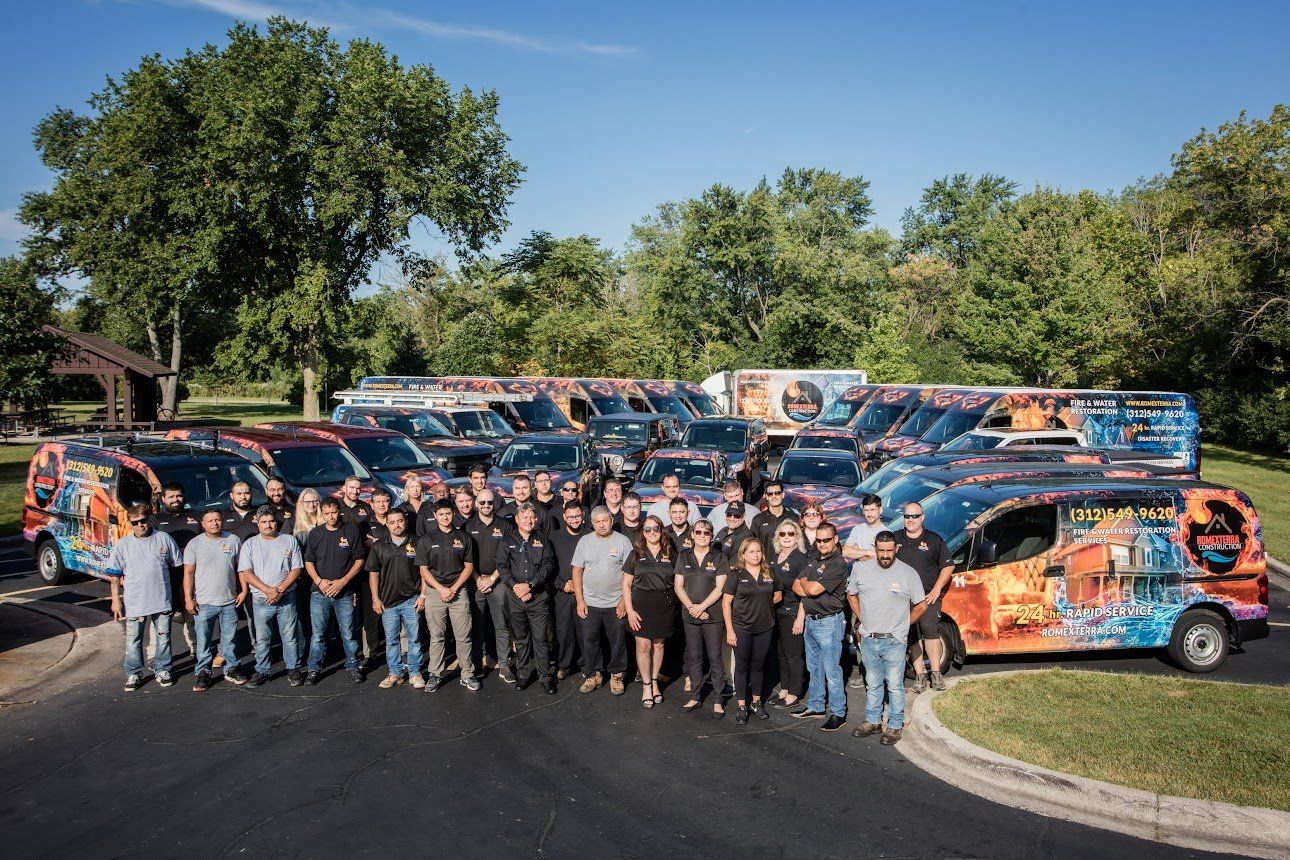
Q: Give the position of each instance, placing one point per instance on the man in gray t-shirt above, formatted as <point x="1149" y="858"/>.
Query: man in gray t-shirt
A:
<point x="597" y="569"/>
<point x="882" y="591"/>
<point x="212" y="592"/>
<point x="139" y="564"/>
<point x="270" y="563"/>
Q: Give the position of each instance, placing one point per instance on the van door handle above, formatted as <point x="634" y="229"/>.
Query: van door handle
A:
<point x="1055" y="570"/>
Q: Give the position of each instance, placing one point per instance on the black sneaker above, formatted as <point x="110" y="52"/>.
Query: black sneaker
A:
<point x="521" y="683"/>
<point x="234" y="676"/>
<point x="355" y="676"/>
<point x="433" y="682"/>
<point x="133" y="683"/>
<point x="506" y="674"/>
<point x="313" y="678"/>
<point x="202" y="682"/>
<point x="805" y="713"/>
<point x="741" y="715"/>
<point x="295" y="677"/>
<point x="548" y="686"/>
<point x="833" y="723"/>
<point x="257" y="680"/>
<point x="759" y="711"/>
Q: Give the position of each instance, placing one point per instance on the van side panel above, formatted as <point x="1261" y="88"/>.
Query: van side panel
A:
<point x="71" y="495"/>
<point x="1156" y="422"/>
<point x="1129" y="563"/>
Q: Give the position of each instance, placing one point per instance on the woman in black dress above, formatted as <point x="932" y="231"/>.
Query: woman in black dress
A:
<point x="750" y="595"/>
<point x="788" y="559"/>
<point x="651" y="604"/>
<point x="700" y="576"/>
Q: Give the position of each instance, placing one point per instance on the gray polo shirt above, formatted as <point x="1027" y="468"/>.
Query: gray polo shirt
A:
<point x="601" y="560"/>
<point x="271" y="560"/>
<point x="144" y="564"/>
<point x="214" y="560"/>
<point x="885" y="596"/>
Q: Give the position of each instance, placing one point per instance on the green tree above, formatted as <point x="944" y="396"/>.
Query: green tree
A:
<point x="951" y="215"/>
<point x="28" y="350"/>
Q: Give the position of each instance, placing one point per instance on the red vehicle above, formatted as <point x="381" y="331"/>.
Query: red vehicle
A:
<point x="301" y="460"/>
<point x="390" y="456"/>
<point x="701" y="474"/>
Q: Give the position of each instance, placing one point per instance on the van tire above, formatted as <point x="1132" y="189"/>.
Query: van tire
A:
<point x="1200" y="641"/>
<point x="49" y="564"/>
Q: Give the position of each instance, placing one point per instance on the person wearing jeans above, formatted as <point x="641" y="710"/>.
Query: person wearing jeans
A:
<point x="398" y="598"/>
<point x="270" y="563"/>
<point x="333" y="560"/>
<point x="139" y="565"/>
<point x="822" y="588"/>
<point x="212" y="593"/>
<point x="882" y="591"/>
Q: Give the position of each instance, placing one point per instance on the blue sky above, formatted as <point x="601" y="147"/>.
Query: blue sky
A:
<point x="614" y="108"/>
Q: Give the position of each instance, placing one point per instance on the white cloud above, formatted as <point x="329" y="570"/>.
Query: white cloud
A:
<point x="249" y="10"/>
<point x="506" y="38"/>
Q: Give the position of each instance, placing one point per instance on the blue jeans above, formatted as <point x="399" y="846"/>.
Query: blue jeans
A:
<point x="321" y="608"/>
<point x="402" y="615"/>
<point x="884" y="667"/>
<point x="282" y="615"/>
<point x="207" y="617"/>
<point x="134" y="632"/>
<point x="824" y="662"/>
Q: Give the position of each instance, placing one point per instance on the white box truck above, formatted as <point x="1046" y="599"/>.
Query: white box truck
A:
<point x="786" y="400"/>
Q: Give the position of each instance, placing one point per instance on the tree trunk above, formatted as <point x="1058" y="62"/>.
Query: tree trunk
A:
<point x="170" y="385"/>
<point x="309" y="377"/>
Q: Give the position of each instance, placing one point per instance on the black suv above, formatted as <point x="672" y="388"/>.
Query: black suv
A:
<point x="624" y="439"/>
<point x="743" y="440"/>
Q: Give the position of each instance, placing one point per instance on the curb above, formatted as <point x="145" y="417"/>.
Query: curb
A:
<point x="1186" y="822"/>
<point x="1280" y="571"/>
<point x="94" y="646"/>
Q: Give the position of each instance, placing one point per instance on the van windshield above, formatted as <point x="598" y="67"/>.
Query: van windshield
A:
<point x="840" y="412"/>
<point x="206" y="485"/>
<point x="703" y="403"/>
<point x="611" y="404"/>
<point x="947" y="513"/>
<point x="952" y="425"/>
<point x="907" y="488"/>
<point x="418" y="425"/>
<point x="879" y="416"/>
<point x="317" y="465"/>
<point x="561" y="456"/>
<point x="540" y="415"/>
<point x="828" y="443"/>
<point x="916" y="425"/>
<point x="715" y="437"/>
<point x="635" y="432"/>
<point x="972" y="442"/>
<point x="884" y="476"/>
<point x="388" y="452"/>
<point x="670" y="403"/>
<point x="693" y="473"/>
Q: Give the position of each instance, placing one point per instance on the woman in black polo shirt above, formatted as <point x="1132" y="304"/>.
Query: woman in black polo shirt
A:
<point x="751" y="592"/>
<point x="812" y="517"/>
<point x="787" y="563"/>
<point x="651" y="606"/>
<point x="700" y="576"/>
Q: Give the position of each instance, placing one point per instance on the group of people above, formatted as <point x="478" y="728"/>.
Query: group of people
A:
<point x="526" y="584"/>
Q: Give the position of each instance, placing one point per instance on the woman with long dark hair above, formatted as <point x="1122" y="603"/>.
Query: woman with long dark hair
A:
<point x="650" y="602"/>
<point x="750" y="595"/>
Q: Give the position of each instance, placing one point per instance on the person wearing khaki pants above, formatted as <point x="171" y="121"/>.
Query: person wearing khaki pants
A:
<point x="446" y="557"/>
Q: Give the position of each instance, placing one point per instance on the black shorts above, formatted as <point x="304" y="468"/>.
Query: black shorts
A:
<point x="928" y="625"/>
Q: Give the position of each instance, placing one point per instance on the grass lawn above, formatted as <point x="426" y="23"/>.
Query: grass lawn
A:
<point x="1174" y="736"/>
<point x="1266" y="480"/>
<point x="14" y="458"/>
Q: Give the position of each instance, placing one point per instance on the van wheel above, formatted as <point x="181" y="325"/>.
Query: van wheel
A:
<point x="49" y="564"/>
<point x="1199" y="642"/>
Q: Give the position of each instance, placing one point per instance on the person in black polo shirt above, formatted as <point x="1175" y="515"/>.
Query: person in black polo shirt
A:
<point x="822" y="586"/>
<point x="731" y="536"/>
<point x="926" y="553"/>
<point x="487" y="530"/>
<point x="333" y="560"/>
<point x="564" y="604"/>
<point x="463" y="507"/>
<point x="678" y="527"/>
<point x="175" y="519"/>
<point x="382" y="501"/>
<point x="629" y="523"/>
<point x="276" y="490"/>
<point x="446" y="556"/>
<point x="698" y="580"/>
<point x="526" y="564"/>
<point x="239" y="517"/>
<point x="398" y="596"/>
<point x="353" y="510"/>
<point x="766" y="522"/>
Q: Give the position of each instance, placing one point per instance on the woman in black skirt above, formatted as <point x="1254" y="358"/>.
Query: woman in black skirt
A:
<point x="750" y="595"/>
<point x="700" y="576"/>
<point x="787" y="560"/>
<point x="651" y="605"/>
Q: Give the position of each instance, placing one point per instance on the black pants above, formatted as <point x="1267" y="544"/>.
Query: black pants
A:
<point x="750" y="661"/>
<point x="490" y="612"/>
<point x="792" y="655"/>
<point x="564" y="614"/>
<point x="704" y="640"/>
<point x="529" y="622"/>
<point x="606" y="621"/>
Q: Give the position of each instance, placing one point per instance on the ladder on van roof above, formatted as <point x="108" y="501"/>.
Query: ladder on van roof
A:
<point x="131" y="443"/>
<point x="426" y="399"/>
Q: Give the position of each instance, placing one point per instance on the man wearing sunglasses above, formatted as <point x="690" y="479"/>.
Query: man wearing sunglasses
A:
<point x="568" y="493"/>
<point x="139" y="565"/>
<point x="822" y="586"/>
<point x="487" y="530"/>
<point x="927" y="554"/>
<point x="766" y="523"/>
<point x="563" y="601"/>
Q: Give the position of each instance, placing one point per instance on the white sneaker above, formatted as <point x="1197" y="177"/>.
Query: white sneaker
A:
<point x="164" y="679"/>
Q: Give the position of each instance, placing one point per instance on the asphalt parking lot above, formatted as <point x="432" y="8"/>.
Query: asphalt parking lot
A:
<point x="342" y="768"/>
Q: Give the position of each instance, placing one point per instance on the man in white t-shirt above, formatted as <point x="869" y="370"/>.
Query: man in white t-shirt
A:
<point x="859" y="545"/>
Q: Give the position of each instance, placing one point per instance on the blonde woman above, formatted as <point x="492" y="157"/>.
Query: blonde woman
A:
<point x="788" y="560"/>
<point x="748" y="603"/>
<point x="414" y="500"/>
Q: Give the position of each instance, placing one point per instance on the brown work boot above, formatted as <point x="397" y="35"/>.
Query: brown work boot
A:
<point x="218" y="661"/>
<point x="616" y="685"/>
<point x="865" y="729"/>
<point x="391" y="681"/>
<point x="890" y="737"/>
<point x="591" y="683"/>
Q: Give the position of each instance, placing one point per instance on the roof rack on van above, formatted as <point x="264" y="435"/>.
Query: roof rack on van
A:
<point x="137" y="442"/>
<point x="425" y="399"/>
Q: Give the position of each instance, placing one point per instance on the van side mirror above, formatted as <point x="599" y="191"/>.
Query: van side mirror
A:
<point x="988" y="553"/>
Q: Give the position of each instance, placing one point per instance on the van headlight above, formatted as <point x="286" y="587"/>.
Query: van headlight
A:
<point x="615" y="463"/>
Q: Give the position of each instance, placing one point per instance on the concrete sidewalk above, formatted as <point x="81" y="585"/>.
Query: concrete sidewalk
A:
<point x="46" y="647"/>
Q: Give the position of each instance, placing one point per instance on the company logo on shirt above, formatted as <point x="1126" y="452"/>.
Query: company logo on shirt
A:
<point x="456" y="543"/>
<point x="497" y="532"/>
<point x="343" y="542"/>
<point x="922" y="545"/>
<point x="537" y="544"/>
